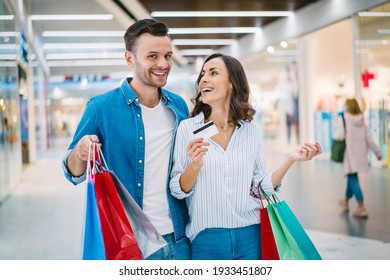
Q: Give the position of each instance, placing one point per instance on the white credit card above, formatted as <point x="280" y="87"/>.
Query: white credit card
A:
<point x="206" y="131"/>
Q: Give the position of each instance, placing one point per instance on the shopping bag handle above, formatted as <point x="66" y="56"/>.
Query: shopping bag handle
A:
<point x="91" y="165"/>
<point x="270" y="200"/>
<point x="100" y="158"/>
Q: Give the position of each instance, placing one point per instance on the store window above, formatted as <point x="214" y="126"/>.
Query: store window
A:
<point x="373" y="49"/>
<point x="10" y="133"/>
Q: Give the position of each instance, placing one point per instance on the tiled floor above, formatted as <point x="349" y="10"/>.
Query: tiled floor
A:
<point x="43" y="218"/>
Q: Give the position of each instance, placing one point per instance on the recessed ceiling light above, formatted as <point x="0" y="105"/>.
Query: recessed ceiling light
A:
<point x="6" y="17"/>
<point x="205" y="42"/>
<point x="221" y="14"/>
<point x="99" y="55"/>
<point x="214" y="30"/>
<point x="374" y="14"/>
<point x="196" y="52"/>
<point x="55" y="46"/>
<point x="73" y="17"/>
<point x="83" y="34"/>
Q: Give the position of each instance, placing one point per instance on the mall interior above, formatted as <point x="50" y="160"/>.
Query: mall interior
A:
<point x="303" y="59"/>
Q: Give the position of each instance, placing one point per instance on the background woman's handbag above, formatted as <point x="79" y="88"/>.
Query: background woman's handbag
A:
<point x="338" y="147"/>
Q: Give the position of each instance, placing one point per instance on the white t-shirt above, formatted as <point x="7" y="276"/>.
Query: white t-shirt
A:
<point x="159" y="125"/>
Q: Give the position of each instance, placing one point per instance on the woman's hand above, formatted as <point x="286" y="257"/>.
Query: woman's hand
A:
<point x="306" y="152"/>
<point x="196" y="151"/>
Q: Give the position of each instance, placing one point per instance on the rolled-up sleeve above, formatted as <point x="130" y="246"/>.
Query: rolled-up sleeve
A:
<point x="87" y="126"/>
<point x="261" y="177"/>
<point x="74" y="180"/>
<point x="180" y="162"/>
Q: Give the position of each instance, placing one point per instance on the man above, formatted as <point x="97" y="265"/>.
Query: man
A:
<point x="136" y="125"/>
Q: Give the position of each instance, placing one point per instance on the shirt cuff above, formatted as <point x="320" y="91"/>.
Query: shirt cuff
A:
<point x="74" y="180"/>
<point x="267" y="187"/>
<point x="176" y="190"/>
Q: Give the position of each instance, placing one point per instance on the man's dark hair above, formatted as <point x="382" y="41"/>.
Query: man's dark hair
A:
<point x="151" y="26"/>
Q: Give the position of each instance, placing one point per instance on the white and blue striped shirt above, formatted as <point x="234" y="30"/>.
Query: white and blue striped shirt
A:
<point x="220" y="197"/>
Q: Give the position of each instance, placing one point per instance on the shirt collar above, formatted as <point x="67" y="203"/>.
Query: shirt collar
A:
<point x="200" y="119"/>
<point x="130" y="95"/>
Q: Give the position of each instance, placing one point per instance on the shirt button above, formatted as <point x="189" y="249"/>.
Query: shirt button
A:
<point x="138" y="115"/>
<point x="140" y="161"/>
<point x="141" y="138"/>
<point x="139" y="184"/>
<point x="136" y="99"/>
<point x="129" y="100"/>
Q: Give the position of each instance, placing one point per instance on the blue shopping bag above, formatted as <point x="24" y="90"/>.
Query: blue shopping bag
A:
<point x="93" y="247"/>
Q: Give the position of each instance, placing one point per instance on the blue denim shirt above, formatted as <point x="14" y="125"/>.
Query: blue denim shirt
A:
<point x="116" y="118"/>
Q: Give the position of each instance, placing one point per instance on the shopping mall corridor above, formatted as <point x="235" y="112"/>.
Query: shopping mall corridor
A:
<point x="43" y="219"/>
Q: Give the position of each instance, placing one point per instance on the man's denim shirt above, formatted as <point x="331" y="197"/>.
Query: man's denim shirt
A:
<point x="116" y="118"/>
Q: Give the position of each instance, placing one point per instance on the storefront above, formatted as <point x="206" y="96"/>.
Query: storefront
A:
<point x="10" y="117"/>
<point x="299" y="85"/>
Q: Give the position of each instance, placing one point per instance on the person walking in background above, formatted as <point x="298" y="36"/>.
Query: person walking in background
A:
<point x="136" y="125"/>
<point x="215" y="175"/>
<point x="358" y="141"/>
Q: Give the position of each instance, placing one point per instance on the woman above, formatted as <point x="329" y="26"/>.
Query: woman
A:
<point x="215" y="175"/>
<point x="358" y="140"/>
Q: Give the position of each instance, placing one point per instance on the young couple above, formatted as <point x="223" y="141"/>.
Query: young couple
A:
<point x="195" y="191"/>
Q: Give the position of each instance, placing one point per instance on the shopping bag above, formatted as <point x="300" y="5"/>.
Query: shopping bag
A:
<point x="291" y="240"/>
<point x="119" y="239"/>
<point x="93" y="247"/>
<point x="269" y="251"/>
<point x="292" y="226"/>
<point x="285" y="243"/>
<point x="148" y="238"/>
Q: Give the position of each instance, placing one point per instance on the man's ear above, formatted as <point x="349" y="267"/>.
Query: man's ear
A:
<point x="129" y="56"/>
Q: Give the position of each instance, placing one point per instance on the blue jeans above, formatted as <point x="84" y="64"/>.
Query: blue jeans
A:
<point x="227" y="244"/>
<point x="173" y="251"/>
<point x="353" y="187"/>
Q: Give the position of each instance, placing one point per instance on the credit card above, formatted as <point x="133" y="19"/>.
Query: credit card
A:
<point x="206" y="131"/>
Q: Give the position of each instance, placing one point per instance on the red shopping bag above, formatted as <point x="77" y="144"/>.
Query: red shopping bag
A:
<point x="119" y="239"/>
<point x="269" y="251"/>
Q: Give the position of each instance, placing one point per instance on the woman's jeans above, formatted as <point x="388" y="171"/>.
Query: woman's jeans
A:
<point x="227" y="244"/>
<point x="353" y="187"/>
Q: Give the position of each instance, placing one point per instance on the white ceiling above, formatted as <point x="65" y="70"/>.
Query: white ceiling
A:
<point x="59" y="53"/>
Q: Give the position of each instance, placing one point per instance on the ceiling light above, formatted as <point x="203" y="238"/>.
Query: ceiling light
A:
<point x="200" y="42"/>
<point x="383" y="31"/>
<point x="100" y="55"/>
<point x="270" y="49"/>
<point x="374" y="14"/>
<point x="8" y="46"/>
<point x="213" y="30"/>
<point x="8" y="57"/>
<point x="196" y="52"/>
<point x="80" y="46"/>
<point x="82" y="63"/>
<point x="83" y="34"/>
<point x="6" y="17"/>
<point x="221" y="14"/>
<point x="284" y="44"/>
<point x="72" y="17"/>
<point x="9" y="34"/>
